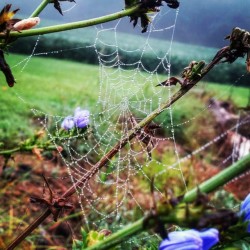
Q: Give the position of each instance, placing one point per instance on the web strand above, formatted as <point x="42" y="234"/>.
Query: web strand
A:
<point x="127" y="88"/>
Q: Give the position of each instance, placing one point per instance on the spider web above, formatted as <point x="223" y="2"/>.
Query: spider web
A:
<point x="127" y="93"/>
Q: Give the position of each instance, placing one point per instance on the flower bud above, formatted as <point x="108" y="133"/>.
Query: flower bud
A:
<point x="26" y="24"/>
<point x="68" y="123"/>
<point x="81" y="118"/>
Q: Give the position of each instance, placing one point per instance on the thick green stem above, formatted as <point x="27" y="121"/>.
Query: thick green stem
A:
<point x="9" y="151"/>
<point x="208" y="186"/>
<point x="119" y="236"/>
<point x="40" y="8"/>
<point x="220" y="179"/>
<point x="73" y="25"/>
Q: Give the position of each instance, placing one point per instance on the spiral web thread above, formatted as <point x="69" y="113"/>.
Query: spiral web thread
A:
<point x="126" y="94"/>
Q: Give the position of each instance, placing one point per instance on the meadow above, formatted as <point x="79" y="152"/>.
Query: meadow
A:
<point x="57" y="86"/>
<point x="81" y="45"/>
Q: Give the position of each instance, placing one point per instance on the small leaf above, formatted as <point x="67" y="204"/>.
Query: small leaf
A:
<point x="38" y="153"/>
<point x="94" y="237"/>
<point x="77" y="244"/>
<point x="57" y="6"/>
<point x="172" y="81"/>
<point x="173" y="4"/>
<point x="84" y="237"/>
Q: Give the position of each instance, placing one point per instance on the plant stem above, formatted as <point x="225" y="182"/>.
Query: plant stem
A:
<point x="40" y="8"/>
<point x="220" y="179"/>
<point x="73" y="25"/>
<point x="27" y="148"/>
<point x="29" y="229"/>
<point x="118" y="237"/>
<point x="208" y="186"/>
<point x="9" y="151"/>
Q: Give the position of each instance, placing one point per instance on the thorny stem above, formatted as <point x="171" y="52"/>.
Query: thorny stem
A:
<point x="29" y="229"/>
<point x="105" y="159"/>
<point x="73" y="25"/>
<point x="206" y="187"/>
<point x="40" y="8"/>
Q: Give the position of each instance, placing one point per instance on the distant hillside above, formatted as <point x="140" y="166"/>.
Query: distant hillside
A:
<point x="81" y="45"/>
<point x="199" y="22"/>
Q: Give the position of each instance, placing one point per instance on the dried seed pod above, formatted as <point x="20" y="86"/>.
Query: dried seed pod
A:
<point x="6" y="16"/>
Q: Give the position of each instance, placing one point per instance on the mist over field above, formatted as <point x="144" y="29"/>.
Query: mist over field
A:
<point x="199" y="22"/>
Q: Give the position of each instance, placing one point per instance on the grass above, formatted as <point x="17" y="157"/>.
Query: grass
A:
<point x="56" y="87"/>
<point x="48" y="85"/>
<point x="239" y="95"/>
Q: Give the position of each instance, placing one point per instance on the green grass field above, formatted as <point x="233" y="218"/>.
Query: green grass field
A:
<point x="56" y="87"/>
<point x="51" y="86"/>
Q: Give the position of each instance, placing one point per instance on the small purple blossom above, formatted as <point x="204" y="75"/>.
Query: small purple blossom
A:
<point x="68" y="123"/>
<point x="245" y="210"/>
<point x="81" y="118"/>
<point x="190" y="240"/>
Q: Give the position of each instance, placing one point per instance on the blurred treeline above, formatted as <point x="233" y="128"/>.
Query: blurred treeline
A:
<point x="129" y="51"/>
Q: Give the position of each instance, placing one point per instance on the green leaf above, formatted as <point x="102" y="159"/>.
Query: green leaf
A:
<point x="84" y="237"/>
<point x="77" y="244"/>
<point x="94" y="237"/>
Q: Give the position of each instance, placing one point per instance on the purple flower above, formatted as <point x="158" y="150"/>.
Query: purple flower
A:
<point x="209" y="238"/>
<point x="190" y="240"/>
<point x="68" y="123"/>
<point x="184" y="240"/>
<point x="245" y="210"/>
<point x="81" y="117"/>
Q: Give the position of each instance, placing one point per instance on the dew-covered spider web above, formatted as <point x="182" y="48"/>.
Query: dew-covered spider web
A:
<point x="124" y="92"/>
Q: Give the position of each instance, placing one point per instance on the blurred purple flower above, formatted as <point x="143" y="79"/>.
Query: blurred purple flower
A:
<point x="68" y="123"/>
<point x="190" y="240"/>
<point x="245" y="210"/>
<point x="209" y="237"/>
<point x="182" y="240"/>
<point x="81" y="118"/>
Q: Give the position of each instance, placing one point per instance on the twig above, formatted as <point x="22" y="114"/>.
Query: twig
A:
<point x="40" y="8"/>
<point x="73" y="25"/>
<point x="105" y="159"/>
<point x="26" y="149"/>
